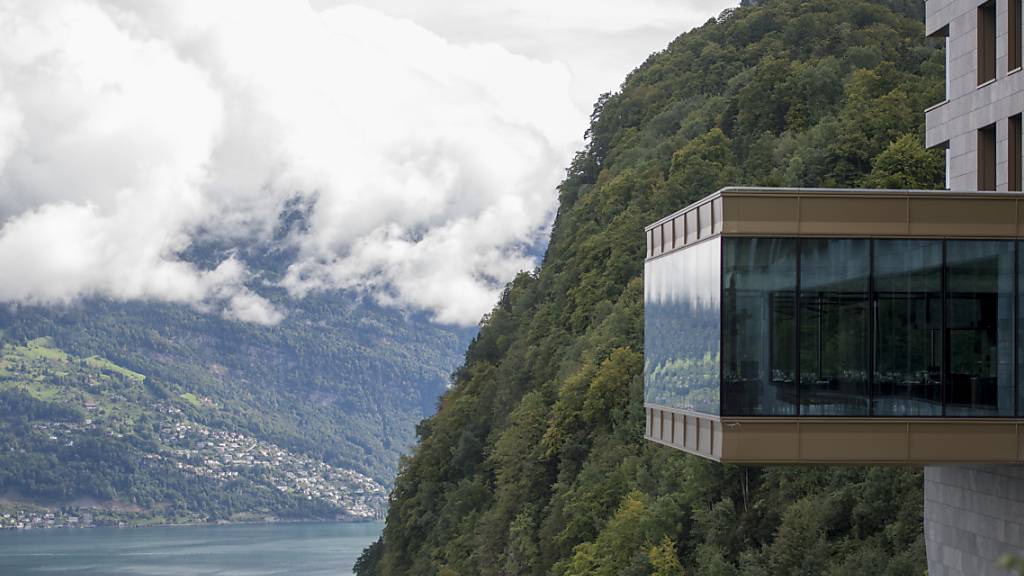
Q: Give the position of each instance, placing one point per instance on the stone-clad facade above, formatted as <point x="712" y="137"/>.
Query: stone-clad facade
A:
<point x="975" y="514"/>
<point x="973" y="104"/>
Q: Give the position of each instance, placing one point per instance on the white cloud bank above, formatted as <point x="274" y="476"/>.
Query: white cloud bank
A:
<point x="127" y="129"/>
<point x="599" y="40"/>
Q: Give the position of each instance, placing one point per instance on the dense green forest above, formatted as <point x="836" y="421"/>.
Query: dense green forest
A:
<point x="535" y="462"/>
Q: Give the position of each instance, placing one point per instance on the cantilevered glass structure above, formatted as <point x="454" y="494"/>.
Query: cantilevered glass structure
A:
<point x="838" y="326"/>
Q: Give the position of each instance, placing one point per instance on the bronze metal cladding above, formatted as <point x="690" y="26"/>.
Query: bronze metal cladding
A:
<point x="840" y="213"/>
<point x="833" y="440"/>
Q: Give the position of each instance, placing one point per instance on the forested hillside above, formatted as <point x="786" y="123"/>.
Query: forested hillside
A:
<point x="84" y="437"/>
<point x="340" y="379"/>
<point x="535" y="462"/>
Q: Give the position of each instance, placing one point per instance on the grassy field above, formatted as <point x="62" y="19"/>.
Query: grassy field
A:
<point x="103" y="390"/>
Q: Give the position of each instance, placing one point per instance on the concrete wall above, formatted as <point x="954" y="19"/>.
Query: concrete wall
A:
<point x="972" y="516"/>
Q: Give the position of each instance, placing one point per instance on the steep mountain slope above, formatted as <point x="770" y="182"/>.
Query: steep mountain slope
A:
<point x="535" y="462"/>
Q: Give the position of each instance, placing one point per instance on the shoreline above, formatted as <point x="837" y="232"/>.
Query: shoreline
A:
<point x="193" y="524"/>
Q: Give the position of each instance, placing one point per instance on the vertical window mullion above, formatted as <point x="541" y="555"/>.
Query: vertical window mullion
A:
<point x="799" y="328"/>
<point x="944" y="391"/>
<point x="871" y="327"/>
<point x="721" y="324"/>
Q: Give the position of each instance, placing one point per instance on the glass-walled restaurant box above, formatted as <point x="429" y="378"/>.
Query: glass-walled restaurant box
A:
<point x="846" y="326"/>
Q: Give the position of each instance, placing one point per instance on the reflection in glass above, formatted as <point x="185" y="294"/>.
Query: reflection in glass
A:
<point x="907" y="311"/>
<point x="681" y="328"/>
<point x="759" y="329"/>
<point x="833" y="327"/>
<point x="980" y="327"/>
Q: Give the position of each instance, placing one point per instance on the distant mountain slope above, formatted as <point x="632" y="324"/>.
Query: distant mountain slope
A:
<point x="535" y="462"/>
<point x="340" y="379"/>
<point x="87" y="437"/>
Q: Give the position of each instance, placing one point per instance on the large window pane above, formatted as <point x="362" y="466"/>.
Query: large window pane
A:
<point x="979" y="324"/>
<point x="681" y="328"/>
<point x="759" y="328"/>
<point x="1020" y="328"/>
<point x="833" y="327"/>
<point x="908" y="328"/>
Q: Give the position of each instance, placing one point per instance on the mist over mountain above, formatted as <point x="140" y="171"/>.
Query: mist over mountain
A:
<point x="129" y="133"/>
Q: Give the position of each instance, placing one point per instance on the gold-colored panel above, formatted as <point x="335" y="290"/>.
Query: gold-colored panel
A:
<point x="837" y="215"/>
<point x="764" y="215"/>
<point x="760" y="441"/>
<point x="691" y="433"/>
<point x="853" y="441"/>
<point x="837" y="440"/>
<point x="677" y="430"/>
<point x="665" y="432"/>
<point x="730" y="214"/>
<point x="984" y="218"/>
<point x="704" y="435"/>
<point x="691" y="226"/>
<point x="716" y="215"/>
<point x="704" y="219"/>
<point x="716" y="443"/>
<point x="963" y="442"/>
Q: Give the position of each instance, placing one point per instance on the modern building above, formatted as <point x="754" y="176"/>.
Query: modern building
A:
<point x="867" y="326"/>
<point x="839" y="326"/>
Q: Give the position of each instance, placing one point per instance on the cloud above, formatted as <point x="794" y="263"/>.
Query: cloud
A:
<point x="129" y="130"/>
<point x="599" y="40"/>
<point x="589" y="16"/>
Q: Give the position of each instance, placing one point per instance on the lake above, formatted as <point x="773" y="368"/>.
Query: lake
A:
<point x="239" y="550"/>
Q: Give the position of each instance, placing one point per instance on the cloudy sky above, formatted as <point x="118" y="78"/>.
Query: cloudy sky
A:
<point x="423" y="140"/>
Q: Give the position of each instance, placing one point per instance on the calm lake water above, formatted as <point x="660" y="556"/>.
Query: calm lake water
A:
<point x="249" y="550"/>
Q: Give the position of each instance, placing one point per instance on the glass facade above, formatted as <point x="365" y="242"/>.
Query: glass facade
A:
<point x="837" y="327"/>
<point x="907" y="313"/>
<point x="979" y="327"/>
<point x="682" y="316"/>
<point x="759" y="326"/>
<point x="834" y="276"/>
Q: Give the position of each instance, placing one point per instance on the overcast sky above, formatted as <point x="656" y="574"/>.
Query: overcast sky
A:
<point x="424" y="140"/>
